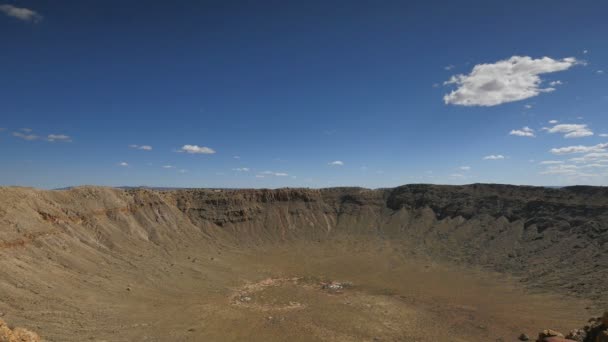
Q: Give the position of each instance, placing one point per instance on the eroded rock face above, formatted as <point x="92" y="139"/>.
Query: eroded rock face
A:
<point x="16" y="335"/>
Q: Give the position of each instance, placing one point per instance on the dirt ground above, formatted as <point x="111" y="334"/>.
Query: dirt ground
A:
<point x="278" y="294"/>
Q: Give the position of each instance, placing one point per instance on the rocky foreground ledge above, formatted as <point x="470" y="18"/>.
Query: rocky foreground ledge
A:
<point x="595" y="331"/>
<point x="16" y="334"/>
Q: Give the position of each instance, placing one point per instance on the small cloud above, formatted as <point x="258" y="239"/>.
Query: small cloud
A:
<point x="241" y="169"/>
<point x="195" y="149"/>
<point x="524" y="132"/>
<point x="23" y="14"/>
<point x="58" y="137"/>
<point x="168" y="167"/>
<point x="141" y="147"/>
<point x="272" y="173"/>
<point x="336" y="163"/>
<point x="603" y="135"/>
<point x="553" y="122"/>
<point x="124" y="164"/>
<point x="571" y="130"/>
<point x="600" y="72"/>
<point x="448" y="67"/>
<point x="465" y="168"/>
<point x="494" y="157"/>
<point x="237" y="157"/>
<point x="514" y="79"/>
<point x="182" y="171"/>
<point x="555" y="83"/>
<point x="585" y="52"/>
<point x="28" y="137"/>
<point x="528" y="106"/>
<point x="551" y="162"/>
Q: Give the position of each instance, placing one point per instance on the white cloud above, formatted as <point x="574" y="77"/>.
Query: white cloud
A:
<point x="168" y="167"/>
<point x="58" y="137"/>
<point x="571" y="130"/>
<point x="524" y="132"/>
<point x="195" y="149"/>
<point x="28" y="137"/>
<point x="600" y="72"/>
<point x="465" y="168"/>
<point x="555" y="83"/>
<point x="553" y="122"/>
<point x="594" y="157"/>
<point x="272" y="173"/>
<point x="336" y="163"/>
<point x="241" y="169"/>
<point x="141" y="147"/>
<point x="551" y="162"/>
<point x="579" y="149"/>
<point x="528" y="106"/>
<point x="20" y="13"/>
<point x="494" y="157"/>
<point x="448" y="67"/>
<point x="585" y="52"/>
<point x="236" y="157"/>
<point x="504" y="81"/>
<point x="123" y="164"/>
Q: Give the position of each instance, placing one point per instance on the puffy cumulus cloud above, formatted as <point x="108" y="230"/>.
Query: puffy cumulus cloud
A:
<point x="23" y="14"/>
<point x="524" y="132"/>
<point x="570" y="130"/>
<point x="494" y="157"/>
<point x="58" y="137"/>
<point x="24" y="136"/>
<point x="513" y="79"/>
<point x="195" y="149"/>
<point x="336" y="163"/>
<point x="141" y="147"/>
<point x="241" y="169"/>
<point x="579" y="149"/>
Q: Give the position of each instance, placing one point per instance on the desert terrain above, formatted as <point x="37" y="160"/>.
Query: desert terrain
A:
<point x="414" y="263"/>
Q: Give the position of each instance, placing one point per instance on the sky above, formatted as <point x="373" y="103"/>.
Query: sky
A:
<point x="267" y="94"/>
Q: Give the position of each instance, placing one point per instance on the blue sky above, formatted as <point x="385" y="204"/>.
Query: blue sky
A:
<point x="303" y="93"/>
